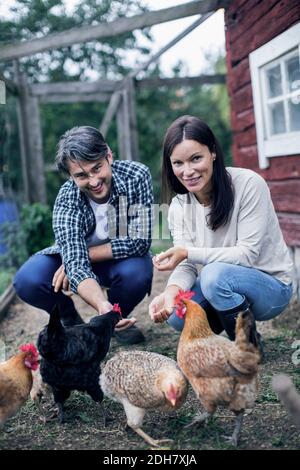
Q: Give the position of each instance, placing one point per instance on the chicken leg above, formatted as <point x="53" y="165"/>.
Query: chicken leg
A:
<point x="147" y="438"/>
<point x="198" y="419"/>
<point x="234" y="439"/>
<point x="135" y="418"/>
<point x="105" y="414"/>
<point x="42" y="415"/>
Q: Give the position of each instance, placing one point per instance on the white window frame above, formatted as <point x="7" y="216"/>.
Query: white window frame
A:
<point x="279" y="144"/>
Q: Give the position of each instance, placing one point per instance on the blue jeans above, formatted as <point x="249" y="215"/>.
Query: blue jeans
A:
<point x="225" y="286"/>
<point x="128" y="280"/>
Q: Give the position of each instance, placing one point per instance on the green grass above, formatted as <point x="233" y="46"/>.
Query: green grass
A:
<point x="5" y="279"/>
<point x="159" y="246"/>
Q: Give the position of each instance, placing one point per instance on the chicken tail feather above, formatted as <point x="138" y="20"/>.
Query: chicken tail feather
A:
<point x="246" y="329"/>
<point x="54" y="322"/>
<point x="246" y="362"/>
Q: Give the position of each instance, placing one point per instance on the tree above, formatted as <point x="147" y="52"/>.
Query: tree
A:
<point x="36" y="18"/>
<point x="156" y="108"/>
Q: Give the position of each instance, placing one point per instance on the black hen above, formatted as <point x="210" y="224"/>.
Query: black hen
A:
<point x="71" y="355"/>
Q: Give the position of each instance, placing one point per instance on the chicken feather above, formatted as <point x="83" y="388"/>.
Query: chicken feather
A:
<point x="142" y="380"/>
<point x="221" y="372"/>
<point x="16" y="381"/>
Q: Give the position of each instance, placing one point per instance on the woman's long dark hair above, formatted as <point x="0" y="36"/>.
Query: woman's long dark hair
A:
<point x="222" y="197"/>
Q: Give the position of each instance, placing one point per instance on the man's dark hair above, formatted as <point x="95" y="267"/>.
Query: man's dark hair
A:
<point x="82" y="143"/>
<point x="222" y="197"/>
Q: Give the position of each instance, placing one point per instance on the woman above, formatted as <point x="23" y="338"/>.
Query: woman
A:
<point x="222" y="219"/>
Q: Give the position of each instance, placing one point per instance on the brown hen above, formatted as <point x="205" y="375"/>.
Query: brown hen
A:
<point x="142" y="381"/>
<point x="16" y="380"/>
<point x="220" y="371"/>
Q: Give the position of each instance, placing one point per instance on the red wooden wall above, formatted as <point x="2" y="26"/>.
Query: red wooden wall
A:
<point x="249" y="25"/>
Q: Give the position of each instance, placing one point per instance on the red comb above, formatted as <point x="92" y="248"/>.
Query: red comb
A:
<point x="182" y="295"/>
<point x="117" y="308"/>
<point x="30" y="347"/>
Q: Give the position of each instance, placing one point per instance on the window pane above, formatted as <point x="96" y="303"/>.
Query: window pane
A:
<point x="293" y="73"/>
<point x="274" y="81"/>
<point x="277" y="118"/>
<point x="294" y="110"/>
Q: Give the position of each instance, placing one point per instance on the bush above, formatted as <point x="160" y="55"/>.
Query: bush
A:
<point x="36" y="223"/>
<point x="13" y="237"/>
<point x="24" y="238"/>
<point x="5" y="279"/>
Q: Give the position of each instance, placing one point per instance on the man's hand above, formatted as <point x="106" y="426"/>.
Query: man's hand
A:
<point x="168" y="260"/>
<point x="104" y="307"/>
<point x="123" y="324"/>
<point x="60" y="280"/>
<point x="162" y="305"/>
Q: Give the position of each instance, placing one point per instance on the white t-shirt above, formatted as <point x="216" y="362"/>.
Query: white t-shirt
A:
<point x="100" y="234"/>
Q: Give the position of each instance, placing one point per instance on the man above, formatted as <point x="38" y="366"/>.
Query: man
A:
<point x="102" y="225"/>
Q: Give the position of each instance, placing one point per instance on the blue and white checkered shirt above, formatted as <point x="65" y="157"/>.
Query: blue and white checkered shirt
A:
<point x="129" y="220"/>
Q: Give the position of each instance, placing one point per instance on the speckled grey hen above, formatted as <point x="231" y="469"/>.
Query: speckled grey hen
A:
<point x="141" y="381"/>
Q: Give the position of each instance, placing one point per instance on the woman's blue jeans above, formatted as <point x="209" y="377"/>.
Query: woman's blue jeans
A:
<point x="128" y="280"/>
<point x="226" y="286"/>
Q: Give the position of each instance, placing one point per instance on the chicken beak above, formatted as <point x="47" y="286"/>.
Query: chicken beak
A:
<point x="173" y="401"/>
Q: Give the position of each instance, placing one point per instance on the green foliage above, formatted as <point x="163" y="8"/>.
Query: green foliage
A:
<point x="25" y="237"/>
<point x="10" y="165"/>
<point x="37" y="18"/>
<point x="14" y="238"/>
<point x="36" y="223"/>
<point x="156" y="108"/>
<point x="102" y="59"/>
<point x="5" y="279"/>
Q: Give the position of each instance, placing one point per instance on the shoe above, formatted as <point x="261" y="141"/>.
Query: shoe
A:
<point x="228" y="319"/>
<point x="131" y="335"/>
<point x="214" y="321"/>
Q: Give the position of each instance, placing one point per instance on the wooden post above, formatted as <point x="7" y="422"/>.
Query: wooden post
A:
<point x="36" y="168"/>
<point x="30" y="143"/>
<point x="108" y="29"/>
<point x="129" y="83"/>
<point x="22" y="125"/>
<point x="170" y="44"/>
<point x="110" y="112"/>
<point x="123" y="127"/>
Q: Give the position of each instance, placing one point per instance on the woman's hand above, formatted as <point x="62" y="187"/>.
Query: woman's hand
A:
<point x="168" y="260"/>
<point x="162" y="305"/>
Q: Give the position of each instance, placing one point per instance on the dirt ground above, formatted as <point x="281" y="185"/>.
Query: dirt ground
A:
<point x="267" y="426"/>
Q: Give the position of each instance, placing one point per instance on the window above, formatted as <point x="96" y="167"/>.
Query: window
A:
<point x="275" y="75"/>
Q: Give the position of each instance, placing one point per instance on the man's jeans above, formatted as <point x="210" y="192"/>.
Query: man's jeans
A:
<point x="128" y="280"/>
<point x="225" y="286"/>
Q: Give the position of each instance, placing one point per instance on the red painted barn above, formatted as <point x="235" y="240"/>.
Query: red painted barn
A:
<point x="263" y="62"/>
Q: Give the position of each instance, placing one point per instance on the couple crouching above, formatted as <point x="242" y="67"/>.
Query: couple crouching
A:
<point x="228" y="246"/>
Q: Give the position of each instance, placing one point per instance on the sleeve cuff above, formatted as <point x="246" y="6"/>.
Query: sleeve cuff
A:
<point x="196" y="255"/>
<point x="79" y="277"/>
<point x="184" y="283"/>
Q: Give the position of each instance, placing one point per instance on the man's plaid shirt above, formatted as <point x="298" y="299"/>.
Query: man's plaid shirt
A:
<point x="129" y="220"/>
